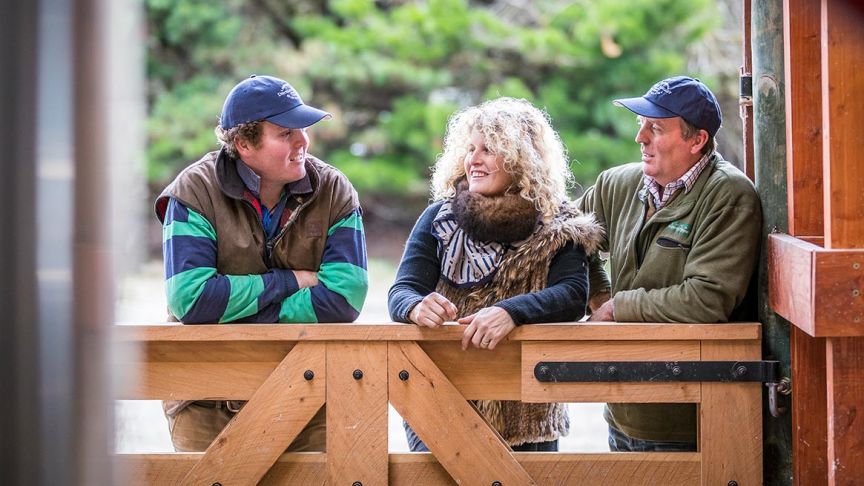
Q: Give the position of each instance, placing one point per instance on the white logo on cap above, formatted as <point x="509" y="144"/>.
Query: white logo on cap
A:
<point x="289" y="92"/>
<point x="660" y="88"/>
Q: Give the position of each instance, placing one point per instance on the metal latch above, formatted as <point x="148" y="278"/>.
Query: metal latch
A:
<point x="767" y="372"/>
<point x="745" y="89"/>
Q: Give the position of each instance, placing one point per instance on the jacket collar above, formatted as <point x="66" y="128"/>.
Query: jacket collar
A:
<point x="683" y="202"/>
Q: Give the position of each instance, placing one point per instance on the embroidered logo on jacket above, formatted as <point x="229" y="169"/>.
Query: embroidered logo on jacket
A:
<point x="679" y="228"/>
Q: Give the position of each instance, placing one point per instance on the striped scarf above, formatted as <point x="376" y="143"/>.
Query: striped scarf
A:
<point x="464" y="261"/>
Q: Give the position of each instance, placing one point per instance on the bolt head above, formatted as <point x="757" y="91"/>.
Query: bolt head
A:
<point x="403" y="375"/>
<point x="308" y="375"/>
<point x="357" y="374"/>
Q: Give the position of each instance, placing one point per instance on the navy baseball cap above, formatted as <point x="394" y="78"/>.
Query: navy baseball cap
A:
<point x="267" y="98"/>
<point x="680" y="96"/>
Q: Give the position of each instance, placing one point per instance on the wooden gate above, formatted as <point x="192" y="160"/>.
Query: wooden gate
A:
<point x="287" y="372"/>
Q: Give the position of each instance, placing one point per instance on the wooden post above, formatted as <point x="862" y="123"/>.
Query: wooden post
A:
<point x="770" y="160"/>
<point x="802" y="53"/>
<point x="730" y="421"/>
<point x="803" y="116"/>
<point x="843" y="145"/>
<point x="357" y="413"/>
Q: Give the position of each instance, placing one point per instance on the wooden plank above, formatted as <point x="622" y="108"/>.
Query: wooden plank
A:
<point x="479" y="373"/>
<point x="816" y="289"/>
<point x="791" y="273"/>
<point x="357" y="413"/>
<point x="809" y="409"/>
<point x="219" y="370"/>
<point x="845" y="369"/>
<point x="266" y="425"/>
<point x="419" y="469"/>
<point x="581" y="331"/>
<point x="194" y="381"/>
<point x="730" y="421"/>
<point x="468" y="448"/>
<point x="838" y="300"/>
<point x="306" y="468"/>
<point x="605" y="469"/>
<point x="842" y="118"/>
<point x="803" y="116"/>
<point x="536" y="391"/>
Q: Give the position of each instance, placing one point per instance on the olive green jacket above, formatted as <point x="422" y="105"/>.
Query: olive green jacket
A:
<point x="691" y="261"/>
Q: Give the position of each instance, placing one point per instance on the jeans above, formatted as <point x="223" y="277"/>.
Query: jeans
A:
<point x="417" y="445"/>
<point x="621" y="442"/>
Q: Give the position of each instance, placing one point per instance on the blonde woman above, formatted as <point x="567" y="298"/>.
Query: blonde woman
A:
<point x="500" y="246"/>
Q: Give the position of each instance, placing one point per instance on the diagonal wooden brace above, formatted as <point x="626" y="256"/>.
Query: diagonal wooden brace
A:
<point x="278" y="411"/>
<point x="468" y="448"/>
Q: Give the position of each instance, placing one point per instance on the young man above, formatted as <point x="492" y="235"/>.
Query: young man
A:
<point x="682" y="231"/>
<point x="259" y="231"/>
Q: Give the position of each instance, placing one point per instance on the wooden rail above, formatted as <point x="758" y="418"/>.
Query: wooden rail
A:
<point x="265" y="364"/>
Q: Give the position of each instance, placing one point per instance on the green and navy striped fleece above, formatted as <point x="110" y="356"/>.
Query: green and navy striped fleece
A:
<point x="197" y="293"/>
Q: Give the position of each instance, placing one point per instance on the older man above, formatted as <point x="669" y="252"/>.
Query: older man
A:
<point x="259" y="231"/>
<point x="682" y="233"/>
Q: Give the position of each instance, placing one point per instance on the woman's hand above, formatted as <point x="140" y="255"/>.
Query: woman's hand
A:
<point x="433" y="311"/>
<point x="486" y="327"/>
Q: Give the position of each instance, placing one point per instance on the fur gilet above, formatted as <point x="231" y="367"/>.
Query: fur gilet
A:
<point x="523" y="270"/>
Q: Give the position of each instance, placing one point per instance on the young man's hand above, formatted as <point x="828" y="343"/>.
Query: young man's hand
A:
<point x="306" y="278"/>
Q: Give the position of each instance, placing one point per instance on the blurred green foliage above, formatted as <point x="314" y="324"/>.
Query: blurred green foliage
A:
<point x="393" y="71"/>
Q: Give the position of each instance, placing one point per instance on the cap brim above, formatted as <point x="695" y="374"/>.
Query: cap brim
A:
<point x="301" y="116"/>
<point x="643" y="107"/>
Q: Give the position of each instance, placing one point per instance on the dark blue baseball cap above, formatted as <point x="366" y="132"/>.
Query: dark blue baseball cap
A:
<point x="267" y="98"/>
<point x="680" y="96"/>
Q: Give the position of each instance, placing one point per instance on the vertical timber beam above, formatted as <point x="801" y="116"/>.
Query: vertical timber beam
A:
<point x="802" y="55"/>
<point x="843" y="144"/>
<point x="728" y="452"/>
<point x="357" y="413"/>
<point x="769" y="146"/>
<point x="803" y="116"/>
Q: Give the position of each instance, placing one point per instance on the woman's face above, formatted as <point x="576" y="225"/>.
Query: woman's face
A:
<point x="484" y="169"/>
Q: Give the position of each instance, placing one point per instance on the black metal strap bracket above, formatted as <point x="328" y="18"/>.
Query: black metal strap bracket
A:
<point x="657" y="371"/>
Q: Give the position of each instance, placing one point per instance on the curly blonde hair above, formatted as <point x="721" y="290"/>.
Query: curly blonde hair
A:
<point x="522" y="134"/>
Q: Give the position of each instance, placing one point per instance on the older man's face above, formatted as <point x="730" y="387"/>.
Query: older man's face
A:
<point x="666" y="154"/>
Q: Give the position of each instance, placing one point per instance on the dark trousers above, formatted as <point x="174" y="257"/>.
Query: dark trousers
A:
<point x="621" y="442"/>
<point x="417" y="445"/>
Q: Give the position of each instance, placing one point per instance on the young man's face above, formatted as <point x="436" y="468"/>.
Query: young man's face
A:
<point x="666" y="155"/>
<point x="280" y="155"/>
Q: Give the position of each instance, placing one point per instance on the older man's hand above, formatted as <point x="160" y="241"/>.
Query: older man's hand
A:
<point x="604" y="313"/>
